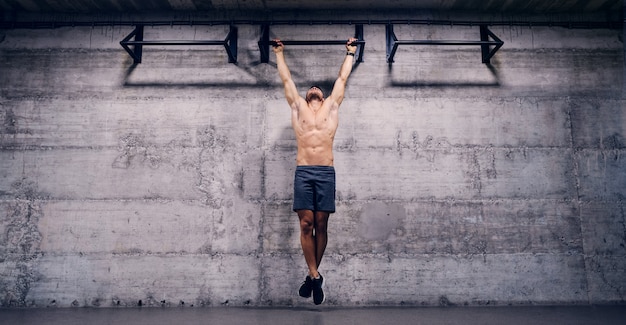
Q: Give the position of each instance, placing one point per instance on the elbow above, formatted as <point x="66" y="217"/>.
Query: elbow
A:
<point x="344" y="74"/>
<point x="285" y="79"/>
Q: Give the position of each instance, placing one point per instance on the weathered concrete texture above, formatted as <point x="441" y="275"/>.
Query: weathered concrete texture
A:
<point x="147" y="227"/>
<point x="19" y="251"/>
<point x="465" y="228"/>
<point x="145" y="280"/>
<point x="431" y="280"/>
<point x="169" y="183"/>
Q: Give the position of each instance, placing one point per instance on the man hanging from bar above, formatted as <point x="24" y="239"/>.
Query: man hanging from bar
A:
<point x="314" y="120"/>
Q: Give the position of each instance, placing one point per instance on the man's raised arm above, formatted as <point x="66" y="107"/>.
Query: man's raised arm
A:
<point x="291" y="93"/>
<point x="344" y="72"/>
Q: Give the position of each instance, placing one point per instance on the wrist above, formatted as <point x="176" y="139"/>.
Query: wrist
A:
<point x="350" y="53"/>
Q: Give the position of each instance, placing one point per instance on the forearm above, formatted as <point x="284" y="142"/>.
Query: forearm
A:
<point x="346" y="68"/>
<point x="291" y="93"/>
<point x="283" y="69"/>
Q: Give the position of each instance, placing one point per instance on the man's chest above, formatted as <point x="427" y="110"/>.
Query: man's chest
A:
<point x="321" y="119"/>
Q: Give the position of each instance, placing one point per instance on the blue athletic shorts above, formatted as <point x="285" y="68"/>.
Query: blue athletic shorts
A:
<point x="314" y="188"/>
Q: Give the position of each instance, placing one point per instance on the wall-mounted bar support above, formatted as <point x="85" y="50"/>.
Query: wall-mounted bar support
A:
<point x="137" y="34"/>
<point x="265" y="42"/>
<point x="487" y="53"/>
<point x="230" y="43"/>
<point x="485" y="43"/>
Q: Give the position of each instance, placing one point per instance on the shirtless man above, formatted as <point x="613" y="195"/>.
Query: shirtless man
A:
<point x="314" y="120"/>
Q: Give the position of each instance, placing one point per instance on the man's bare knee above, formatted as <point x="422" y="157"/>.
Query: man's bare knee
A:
<point x="306" y="226"/>
<point x="321" y="222"/>
<point x="306" y="222"/>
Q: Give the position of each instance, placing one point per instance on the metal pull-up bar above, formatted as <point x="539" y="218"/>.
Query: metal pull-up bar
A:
<point x="485" y="43"/>
<point x="230" y="43"/>
<point x="265" y="42"/>
<point x="329" y="42"/>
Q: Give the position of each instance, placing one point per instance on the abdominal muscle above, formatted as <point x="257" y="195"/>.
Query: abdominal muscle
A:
<point x="314" y="157"/>
<point x="315" y="132"/>
<point x="315" y="148"/>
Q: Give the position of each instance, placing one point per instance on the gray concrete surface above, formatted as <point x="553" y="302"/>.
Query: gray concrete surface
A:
<point x="548" y="315"/>
<point x="169" y="182"/>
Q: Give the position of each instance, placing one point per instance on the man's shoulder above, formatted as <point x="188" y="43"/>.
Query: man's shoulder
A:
<point x="300" y="103"/>
<point x="331" y="103"/>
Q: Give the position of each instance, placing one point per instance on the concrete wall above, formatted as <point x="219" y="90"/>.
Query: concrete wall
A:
<point x="168" y="183"/>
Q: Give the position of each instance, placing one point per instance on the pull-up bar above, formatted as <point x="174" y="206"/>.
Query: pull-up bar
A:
<point x="230" y="43"/>
<point x="264" y="42"/>
<point x="485" y="43"/>
<point x="329" y="42"/>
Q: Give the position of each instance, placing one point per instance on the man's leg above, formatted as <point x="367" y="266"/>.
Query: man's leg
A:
<point x="313" y="248"/>
<point x="321" y="236"/>
<point x="308" y="241"/>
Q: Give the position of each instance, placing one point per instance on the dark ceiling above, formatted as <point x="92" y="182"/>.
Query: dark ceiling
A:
<point x="99" y="6"/>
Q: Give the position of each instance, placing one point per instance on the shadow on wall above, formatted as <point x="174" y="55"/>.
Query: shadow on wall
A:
<point x="435" y="77"/>
<point x="255" y="79"/>
<point x="253" y="76"/>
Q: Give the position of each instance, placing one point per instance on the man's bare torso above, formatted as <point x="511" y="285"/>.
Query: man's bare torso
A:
<point x="315" y="127"/>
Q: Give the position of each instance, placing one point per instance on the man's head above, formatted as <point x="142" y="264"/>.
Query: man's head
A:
<point x="314" y="93"/>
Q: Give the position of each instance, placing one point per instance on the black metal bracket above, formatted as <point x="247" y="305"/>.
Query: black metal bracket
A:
<point x="265" y="42"/>
<point x="485" y="43"/>
<point x="230" y="43"/>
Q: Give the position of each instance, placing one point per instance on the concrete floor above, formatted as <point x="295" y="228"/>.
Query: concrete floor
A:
<point x="325" y="315"/>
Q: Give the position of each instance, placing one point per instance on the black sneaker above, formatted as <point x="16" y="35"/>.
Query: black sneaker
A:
<point x="318" y="292"/>
<point x="306" y="287"/>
